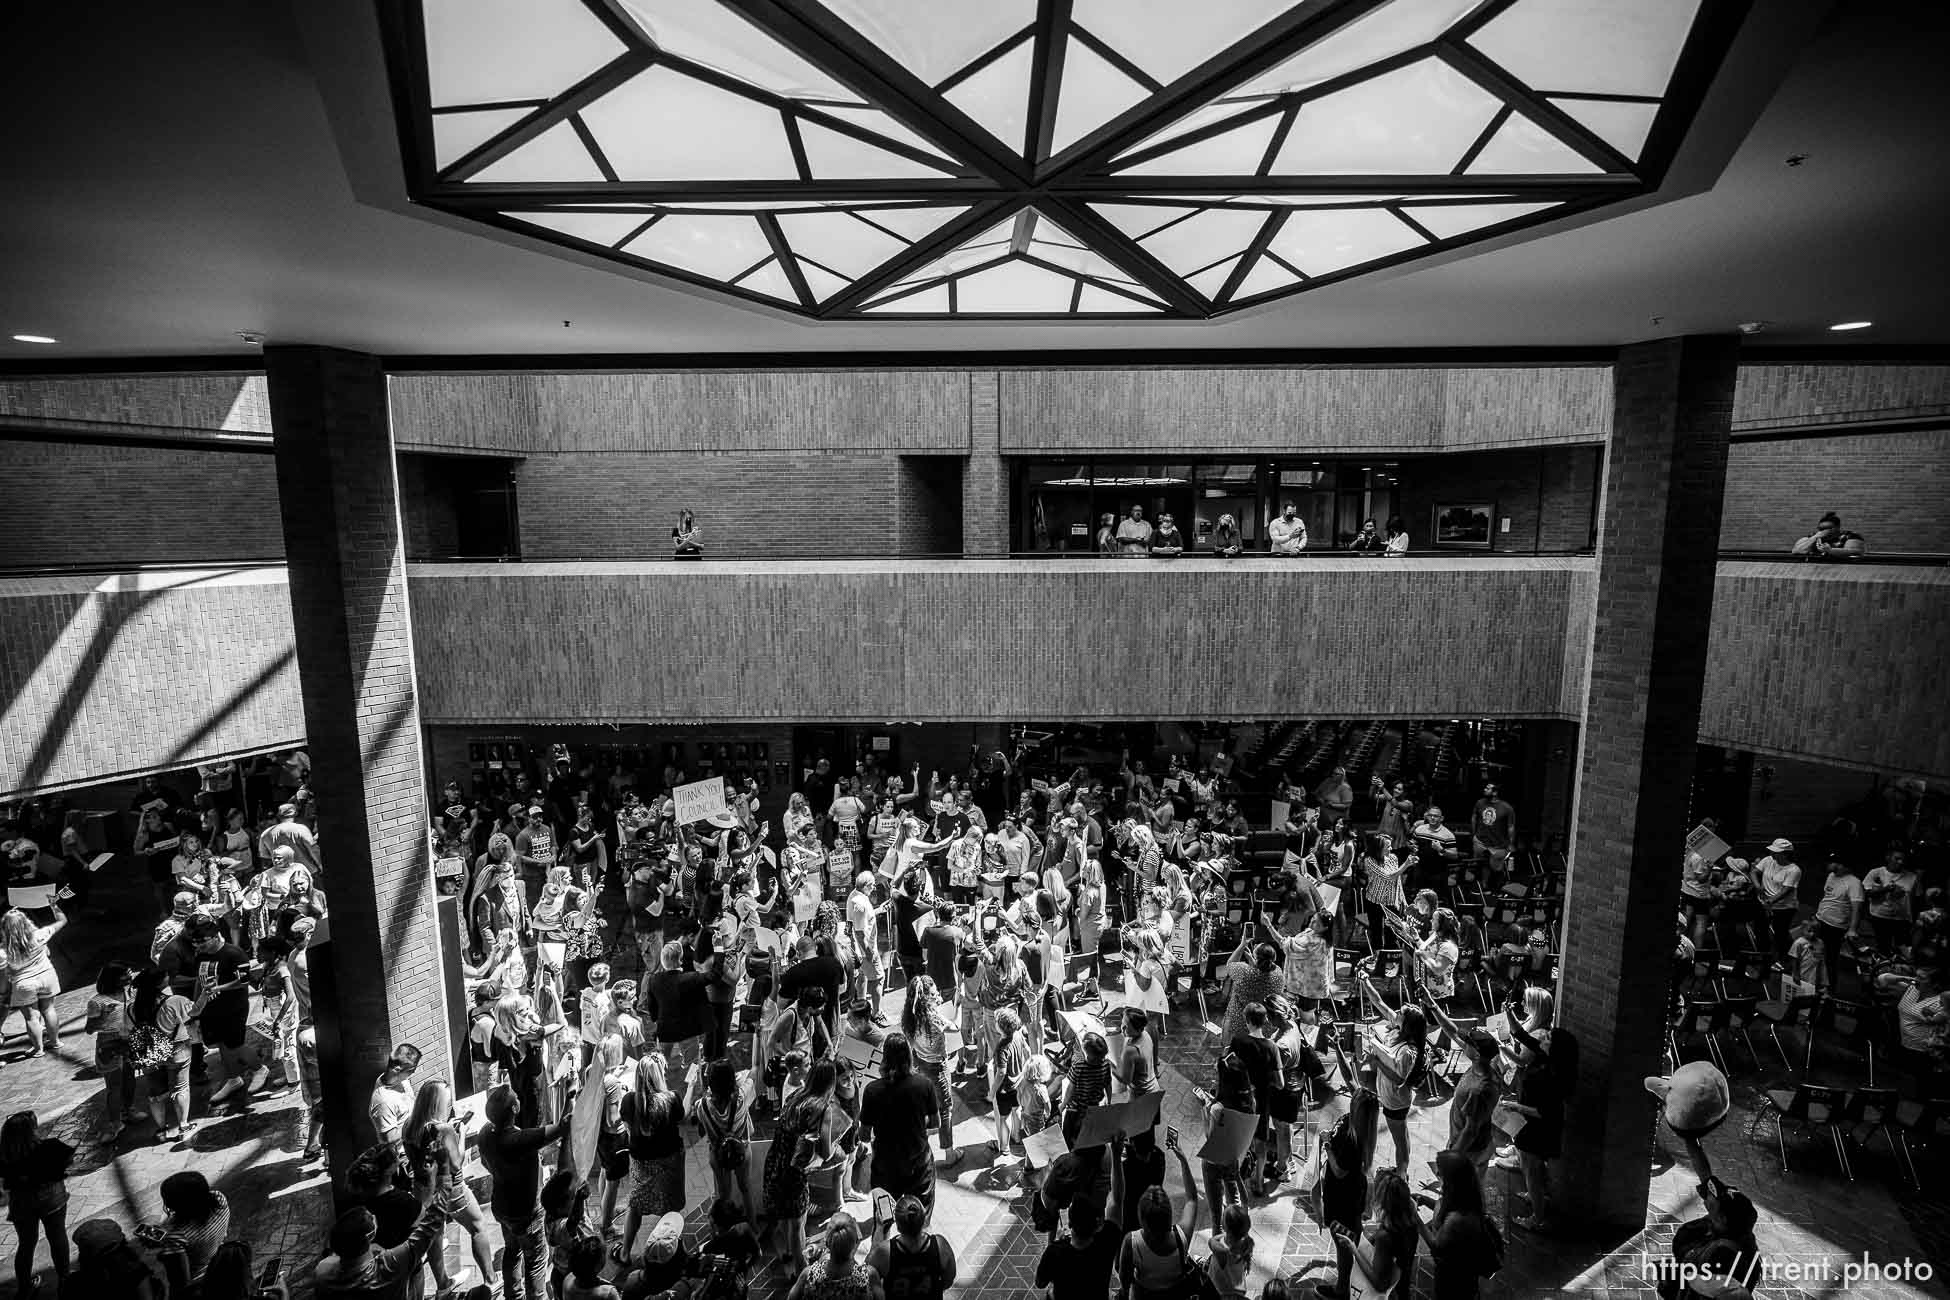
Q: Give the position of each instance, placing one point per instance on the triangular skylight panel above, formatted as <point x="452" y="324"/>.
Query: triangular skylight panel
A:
<point x="1321" y="242"/>
<point x="458" y="134"/>
<point x="1447" y="220"/>
<point x="719" y="247"/>
<point x="716" y="37"/>
<point x="664" y="126"/>
<point x="1522" y="147"/>
<point x="1589" y="46"/>
<point x="1622" y="124"/>
<point x="495" y="51"/>
<point x="1168" y="38"/>
<point x="835" y="158"/>
<point x="1420" y="119"/>
<point x="834" y="155"/>
<point x="996" y="96"/>
<point x="555" y="156"/>
<point x="932" y="39"/>
<point x="606" y="228"/>
<point x="1094" y="91"/>
<point x="1237" y="151"/>
<point x="1381" y="33"/>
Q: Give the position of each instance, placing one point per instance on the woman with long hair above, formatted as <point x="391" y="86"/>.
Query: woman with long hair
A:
<point x="926" y="1027"/>
<point x="156" y="1007"/>
<point x="1400" y="1059"/>
<point x="839" y="1276"/>
<point x="1152" y="1262"/>
<point x="517" y="1050"/>
<point x="1458" y="1236"/>
<point x="156" y="843"/>
<point x="652" y="1115"/>
<point x="802" y="1139"/>
<point x="1006" y="1065"/>
<point x="1535" y="1012"/>
<point x="34" y="1171"/>
<point x="1382" y="1253"/>
<point x="1550" y="1068"/>
<point x="617" y="1073"/>
<point x="35" y="985"/>
<point x="435" y="1142"/>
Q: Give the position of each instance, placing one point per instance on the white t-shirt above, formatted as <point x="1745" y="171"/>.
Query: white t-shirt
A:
<point x="1894" y="905"/>
<point x="1839" y="894"/>
<point x="1778" y="876"/>
<point x="391" y="1108"/>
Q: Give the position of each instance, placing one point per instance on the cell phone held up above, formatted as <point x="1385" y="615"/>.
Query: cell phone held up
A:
<point x="273" y="1273"/>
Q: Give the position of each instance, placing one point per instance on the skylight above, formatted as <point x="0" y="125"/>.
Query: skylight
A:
<point x="1150" y="159"/>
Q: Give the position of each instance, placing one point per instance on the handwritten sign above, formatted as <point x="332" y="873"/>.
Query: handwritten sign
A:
<point x="1100" y="1125"/>
<point x="1228" y="1136"/>
<point x="1330" y="898"/>
<point x="28" y="897"/>
<point x="1705" y="843"/>
<point x="1141" y="1113"/>
<point x="858" y="1052"/>
<point x="1508" y="1120"/>
<point x="1041" y="1149"/>
<point x="699" y="800"/>
<point x="1282" y="814"/>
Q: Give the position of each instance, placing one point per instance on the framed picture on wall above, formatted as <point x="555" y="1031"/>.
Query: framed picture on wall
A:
<point x="1467" y="526"/>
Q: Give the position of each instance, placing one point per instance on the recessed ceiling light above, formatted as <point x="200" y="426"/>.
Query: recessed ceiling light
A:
<point x="1851" y="325"/>
<point x="34" y="338"/>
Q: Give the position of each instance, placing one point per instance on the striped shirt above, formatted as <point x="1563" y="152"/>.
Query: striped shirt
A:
<point x="1089" y="1083"/>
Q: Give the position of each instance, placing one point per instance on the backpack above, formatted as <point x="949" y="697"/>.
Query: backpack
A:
<point x="1492" y="1261"/>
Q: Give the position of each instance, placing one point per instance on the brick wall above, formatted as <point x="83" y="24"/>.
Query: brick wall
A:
<point x="100" y="677"/>
<point x="1889" y="487"/>
<point x="872" y="641"/>
<point x="625" y="504"/>
<point x="1315" y="408"/>
<point x="427" y="507"/>
<point x="176" y="405"/>
<point x="1833" y="662"/>
<point x="985" y="486"/>
<point x="922" y="411"/>
<point x="928" y="506"/>
<point x="90" y="505"/>
<point x="1799" y="395"/>
<point x="1546" y="494"/>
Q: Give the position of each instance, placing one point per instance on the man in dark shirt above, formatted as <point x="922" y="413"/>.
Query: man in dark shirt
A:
<point x="514" y="1157"/>
<point x="1078" y="1266"/>
<point x="1261" y="1057"/>
<point x="217" y="968"/>
<point x="678" y="1000"/>
<point x="897" y="1113"/>
<point x="814" y="969"/>
<point x="375" y="1185"/>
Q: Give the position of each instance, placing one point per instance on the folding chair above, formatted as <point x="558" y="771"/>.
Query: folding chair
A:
<point x="1853" y="1023"/>
<point x="1869" y="1111"/>
<point x="1740" y="1016"/>
<point x="1691" y="1020"/>
<point x="1809" y="1108"/>
<point x="1919" y="1126"/>
<point x="1777" y="1016"/>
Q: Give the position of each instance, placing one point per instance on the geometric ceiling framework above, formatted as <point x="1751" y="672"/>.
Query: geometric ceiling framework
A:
<point x="1151" y="159"/>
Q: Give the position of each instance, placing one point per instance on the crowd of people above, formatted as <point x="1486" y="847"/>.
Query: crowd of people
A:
<point x="1133" y="536"/>
<point x="828" y="1014"/>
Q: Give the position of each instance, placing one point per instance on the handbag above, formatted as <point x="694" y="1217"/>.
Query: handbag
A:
<point x="149" y="1048"/>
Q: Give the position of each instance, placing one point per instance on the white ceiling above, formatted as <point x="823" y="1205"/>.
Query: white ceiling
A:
<point x="177" y="174"/>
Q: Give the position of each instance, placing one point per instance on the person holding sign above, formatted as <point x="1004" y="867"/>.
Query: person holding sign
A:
<point x="34" y="984"/>
<point x="1153" y="1261"/>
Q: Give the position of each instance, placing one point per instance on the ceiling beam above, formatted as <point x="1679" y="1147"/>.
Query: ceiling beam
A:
<point x="573" y="100"/>
<point x="1122" y="251"/>
<point x="1046" y="79"/>
<point x="918" y="254"/>
<point x="1568" y="131"/>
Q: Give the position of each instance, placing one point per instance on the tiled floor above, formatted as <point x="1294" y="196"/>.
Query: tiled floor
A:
<point x="1812" y="1218"/>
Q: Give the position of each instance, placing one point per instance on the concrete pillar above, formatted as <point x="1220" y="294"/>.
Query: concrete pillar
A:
<point x="985" y="483"/>
<point x="1659" y="530"/>
<point x="340" y="503"/>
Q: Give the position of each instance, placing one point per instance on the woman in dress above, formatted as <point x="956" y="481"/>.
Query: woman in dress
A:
<point x="435" y="1139"/>
<point x="803" y="1137"/>
<point x="652" y="1114"/>
<point x="926" y="1026"/>
<point x="35" y="985"/>
<point x="839" y="1276"/>
<point x="1310" y="964"/>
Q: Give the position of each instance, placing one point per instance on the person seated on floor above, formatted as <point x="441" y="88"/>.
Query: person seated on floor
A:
<point x="1718" y="1244"/>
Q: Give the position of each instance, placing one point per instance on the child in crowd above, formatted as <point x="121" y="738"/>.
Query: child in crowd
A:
<point x="1807" y="966"/>
<point x="975" y="1035"/>
<point x="1232" y="1253"/>
<point x="585" y="1265"/>
<point x="564" y="1203"/>
<point x="269" y="1032"/>
<point x="623" y="1020"/>
<point x="34" y="1171"/>
<point x="108" y="1020"/>
<point x="595" y="1007"/>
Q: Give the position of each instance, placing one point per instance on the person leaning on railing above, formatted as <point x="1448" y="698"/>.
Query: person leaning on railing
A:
<point x="1830" y="541"/>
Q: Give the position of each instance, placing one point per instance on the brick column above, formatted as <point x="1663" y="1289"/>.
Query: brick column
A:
<point x="985" y="485"/>
<point x="1659" y="530"/>
<point x="340" y="502"/>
